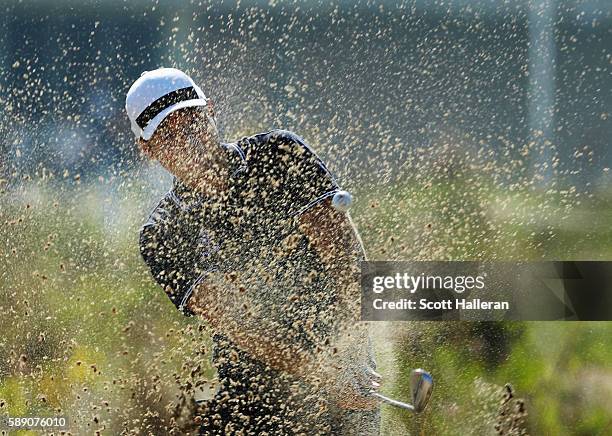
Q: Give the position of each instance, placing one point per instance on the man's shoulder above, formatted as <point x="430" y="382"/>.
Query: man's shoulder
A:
<point x="276" y="142"/>
<point x="178" y="201"/>
<point x="164" y="210"/>
<point x="275" y="136"/>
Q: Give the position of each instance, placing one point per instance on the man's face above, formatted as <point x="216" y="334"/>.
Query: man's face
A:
<point x="186" y="144"/>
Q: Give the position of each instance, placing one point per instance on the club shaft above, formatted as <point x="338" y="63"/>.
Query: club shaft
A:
<point x="393" y="402"/>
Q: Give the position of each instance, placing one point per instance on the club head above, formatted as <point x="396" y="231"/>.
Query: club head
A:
<point x="421" y="387"/>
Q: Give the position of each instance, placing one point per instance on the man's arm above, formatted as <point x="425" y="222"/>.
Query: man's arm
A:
<point x="333" y="235"/>
<point x="220" y="299"/>
<point x="169" y="248"/>
<point x="235" y="302"/>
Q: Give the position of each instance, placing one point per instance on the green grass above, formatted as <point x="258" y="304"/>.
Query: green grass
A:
<point x="86" y="331"/>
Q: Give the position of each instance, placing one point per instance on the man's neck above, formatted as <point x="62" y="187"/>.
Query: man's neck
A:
<point x="211" y="181"/>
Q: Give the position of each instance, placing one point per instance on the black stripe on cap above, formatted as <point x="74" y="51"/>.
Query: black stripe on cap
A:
<point x="165" y="101"/>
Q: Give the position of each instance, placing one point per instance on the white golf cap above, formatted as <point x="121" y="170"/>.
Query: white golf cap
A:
<point x="155" y="95"/>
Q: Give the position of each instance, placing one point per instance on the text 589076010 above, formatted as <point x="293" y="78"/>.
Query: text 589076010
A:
<point x="31" y="422"/>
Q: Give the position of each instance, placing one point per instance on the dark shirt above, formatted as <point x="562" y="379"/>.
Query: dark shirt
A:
<point x="273" y="178"/>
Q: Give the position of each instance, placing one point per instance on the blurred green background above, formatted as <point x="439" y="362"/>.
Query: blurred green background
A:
<point x="86" y="332"/>
<point x="465" y="130"/>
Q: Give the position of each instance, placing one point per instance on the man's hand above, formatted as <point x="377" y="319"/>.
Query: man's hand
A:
<point x="351" y="375"/>
<point x="352" y="389"/>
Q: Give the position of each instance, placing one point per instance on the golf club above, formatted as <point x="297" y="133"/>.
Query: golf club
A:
<point x="421" y="386"/>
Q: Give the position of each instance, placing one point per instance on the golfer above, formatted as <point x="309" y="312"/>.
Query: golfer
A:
<point x="248" y="239"/>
